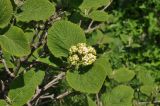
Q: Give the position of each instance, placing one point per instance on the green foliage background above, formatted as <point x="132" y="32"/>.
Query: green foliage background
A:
<point x="35" y="37"/>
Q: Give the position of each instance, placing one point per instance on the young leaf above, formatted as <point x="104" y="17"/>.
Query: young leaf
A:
<point x="6" y="11"/>
<point x="14" y="42"/>
<point x="23" y="87"/>
<point x="90" y="80"/>
<point x="36" y="10"/>
<point x="98" y="16"/>
<point x="63" y="35"/>
<point x="120" y="96"/>
<point x="123" y="75"/>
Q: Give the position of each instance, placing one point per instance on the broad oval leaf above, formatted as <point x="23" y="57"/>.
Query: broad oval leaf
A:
<point x="62" y="35"/>
<point x="120" y="96"/>
<point x="14" y="42"/>
<point x="92" y="80"/>
<point x="36" y="10"/>
<point x="123" y="75"/>
<point x="99" y="16"/>
<point x="23" y="87"/>
<point x="6" y="11"/>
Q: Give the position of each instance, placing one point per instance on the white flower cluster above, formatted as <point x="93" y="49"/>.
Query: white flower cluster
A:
<point x="81" y="54"/>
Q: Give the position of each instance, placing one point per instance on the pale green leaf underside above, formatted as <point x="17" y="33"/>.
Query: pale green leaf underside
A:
<point x="14" y="42"/>
<point x="120" y="96"/>
<point x="36" y="10"/>
<point x="98" y="16"/>
<point x="5" y="12"/>
<point x="62" y="35"/>
<point x="23" y="88"/>
<point x="92" y="80"/>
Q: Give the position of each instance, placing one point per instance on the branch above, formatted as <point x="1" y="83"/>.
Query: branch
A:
<point x="63" y="95"/>
<point x="92" y="29"/>
<point x="47" y="86"/>
<point x="51" y="83"/>
<point x="2" y="86"/>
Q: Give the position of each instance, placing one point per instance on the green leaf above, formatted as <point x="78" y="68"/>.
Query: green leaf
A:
<point x="145" y="77"/>
<point x="47" y="61"/>
<point x="91" y="102"/>
<point x="120" y="96"/>
<point x="98" y="16"/>
<point x="14" y="42"/>
<point x="3" y="103"/>
<point x="90" y="80"/>
<point x="23" y="87"/>
<point x="98" y="38"/>
<point x="62" y="35"/>
<point x="36" y="10"/>
<point x="7" y="58"/>
<point x="123" y="75"/>
<point x="147" y="89"/>
<point x="93" y="4"/>
<point x="6" y="12"/>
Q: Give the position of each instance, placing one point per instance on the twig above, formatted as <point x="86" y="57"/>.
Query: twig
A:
<point x="47" y="96"/>
<point x="2" y="86"/>
<point x="97" y="99"/>
<point x="107" y="5"/>
<point x="51" y="83"/>
<point x="6" y="68"/>
<point x="90" y="25"/>
<point x="63" y="95"/>
<point x="92" y="29"/>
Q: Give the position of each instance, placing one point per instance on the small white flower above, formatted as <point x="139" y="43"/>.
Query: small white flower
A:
<point x="88" y="59"/>
<point x="91" y="50"/>
<point x="74" y="59"/>
<point x="73" y="49"/>
<point x="81" y="54"/>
